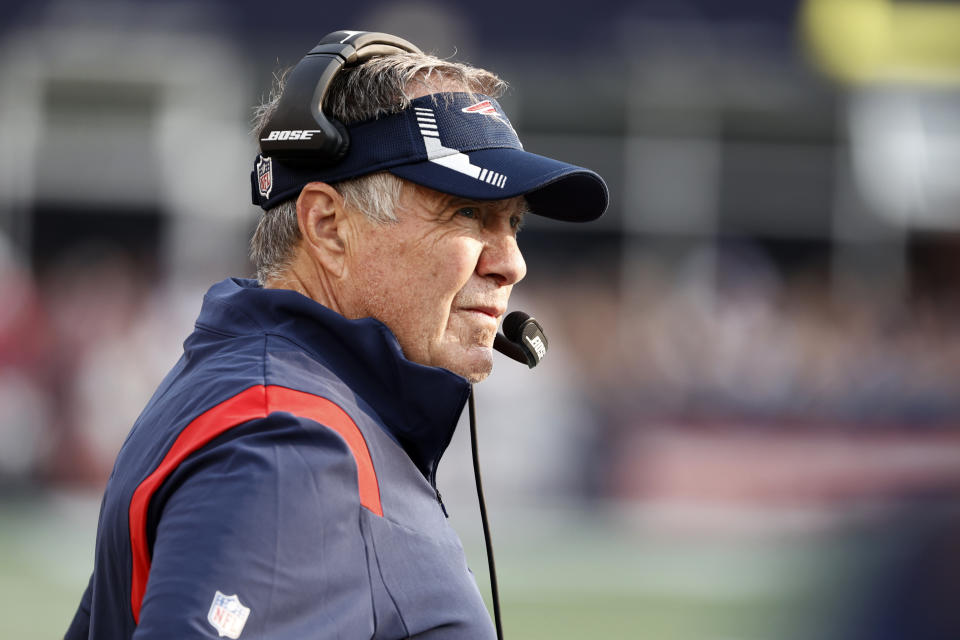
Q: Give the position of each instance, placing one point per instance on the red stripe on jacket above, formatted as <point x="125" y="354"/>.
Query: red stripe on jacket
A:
<point x="255" y="402"/>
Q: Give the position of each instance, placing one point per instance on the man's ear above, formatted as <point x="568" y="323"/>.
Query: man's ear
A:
<point x="321" y="216"/>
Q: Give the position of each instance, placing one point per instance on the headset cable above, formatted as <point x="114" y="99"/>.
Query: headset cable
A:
<point x="494" y="595"/>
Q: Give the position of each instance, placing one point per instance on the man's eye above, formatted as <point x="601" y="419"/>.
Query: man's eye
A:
<point x="516" y="222"/>
<point x="468" y="212"/>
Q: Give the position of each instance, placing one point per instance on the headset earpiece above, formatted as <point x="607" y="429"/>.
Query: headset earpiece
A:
<point x="298" y="128"/>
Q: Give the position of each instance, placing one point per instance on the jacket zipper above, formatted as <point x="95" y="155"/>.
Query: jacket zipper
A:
<point x="433" y="474"/>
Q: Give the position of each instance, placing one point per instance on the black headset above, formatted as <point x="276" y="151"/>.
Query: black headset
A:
<point x="298" y="129"/>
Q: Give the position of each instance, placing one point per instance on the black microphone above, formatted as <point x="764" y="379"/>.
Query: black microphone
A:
<point x="522" y="339"/>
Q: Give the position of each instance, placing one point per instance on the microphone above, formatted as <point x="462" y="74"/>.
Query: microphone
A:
<point x="522" y="339"/>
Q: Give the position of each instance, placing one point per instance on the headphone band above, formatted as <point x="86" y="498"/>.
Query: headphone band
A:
<point x="322" y="139"/>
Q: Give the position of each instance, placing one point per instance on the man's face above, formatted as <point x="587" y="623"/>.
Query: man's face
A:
<point x="439" y="277"/>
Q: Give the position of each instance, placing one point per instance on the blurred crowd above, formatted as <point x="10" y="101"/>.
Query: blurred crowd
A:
<point x="83" y="343"/>
<point x="724" y="377"/>
<point x="727" y="333"/>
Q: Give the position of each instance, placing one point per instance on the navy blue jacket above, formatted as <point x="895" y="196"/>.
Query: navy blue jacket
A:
<point x="281" y="484"/>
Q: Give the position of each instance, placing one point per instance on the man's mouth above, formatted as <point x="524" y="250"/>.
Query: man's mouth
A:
<point x="493" y="312"/>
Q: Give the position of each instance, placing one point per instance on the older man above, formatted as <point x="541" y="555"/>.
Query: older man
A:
<point x="281" y="481"/>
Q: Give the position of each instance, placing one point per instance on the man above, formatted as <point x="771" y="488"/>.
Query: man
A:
<point x="281" y="481"/>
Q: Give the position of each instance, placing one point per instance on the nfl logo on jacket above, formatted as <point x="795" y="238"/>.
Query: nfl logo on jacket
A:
<point x="227" y="615"/>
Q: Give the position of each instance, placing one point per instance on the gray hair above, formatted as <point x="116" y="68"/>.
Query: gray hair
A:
<point x="378" y="87"/>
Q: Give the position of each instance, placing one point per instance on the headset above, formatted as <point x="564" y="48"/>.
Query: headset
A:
<point x="298" y="129"/>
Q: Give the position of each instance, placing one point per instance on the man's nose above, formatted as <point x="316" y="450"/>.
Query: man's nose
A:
<point x="501" y="259"/>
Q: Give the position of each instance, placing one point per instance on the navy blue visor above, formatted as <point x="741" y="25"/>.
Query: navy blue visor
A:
<point x="457" y="143"/>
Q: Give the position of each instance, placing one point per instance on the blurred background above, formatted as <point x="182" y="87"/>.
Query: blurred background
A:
<point x="748" y="425"/>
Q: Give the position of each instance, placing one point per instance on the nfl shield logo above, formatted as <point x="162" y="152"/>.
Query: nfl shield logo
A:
<point x="227" y="615"/>
<point x="265" y="176"/>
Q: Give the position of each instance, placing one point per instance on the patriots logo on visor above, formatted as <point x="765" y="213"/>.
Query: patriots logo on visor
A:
<point x="486" y="108"/>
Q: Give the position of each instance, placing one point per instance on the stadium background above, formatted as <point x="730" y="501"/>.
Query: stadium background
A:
<point x="747" y="426"/>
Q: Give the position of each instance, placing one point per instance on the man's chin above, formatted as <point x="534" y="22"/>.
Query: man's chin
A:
<point x="474" y="364"/>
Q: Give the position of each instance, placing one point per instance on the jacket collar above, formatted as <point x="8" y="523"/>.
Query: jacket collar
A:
<point x="419" y="406"/>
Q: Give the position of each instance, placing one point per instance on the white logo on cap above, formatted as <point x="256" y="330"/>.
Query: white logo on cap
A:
<point x="451" y="158"/>
<point x="537" y="345"/>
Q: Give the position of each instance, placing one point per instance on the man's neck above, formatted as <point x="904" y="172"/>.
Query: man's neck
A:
<point x="302" y="277"/>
